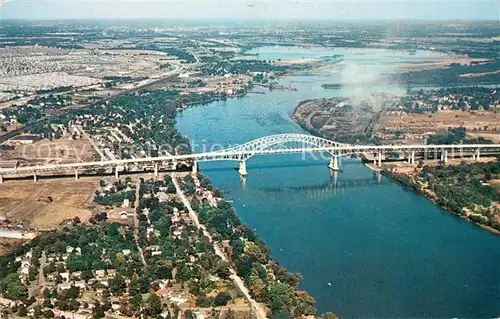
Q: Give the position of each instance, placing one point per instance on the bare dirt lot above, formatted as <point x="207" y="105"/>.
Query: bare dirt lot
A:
<point x="56" y="151"/>
<point x="423" y="123"/>
<point x="28" y="201"/>
<point x="8" y="244"/>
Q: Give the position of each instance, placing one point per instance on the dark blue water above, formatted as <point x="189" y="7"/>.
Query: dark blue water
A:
<point x="385" y="251"/>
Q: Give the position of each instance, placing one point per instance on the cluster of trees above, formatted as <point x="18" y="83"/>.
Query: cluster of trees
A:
<point x="175" y="262"/>
<point x="179" y="53"/>
<point x="451" y="76"/>
<point x="101" y="248"/>
<point x="223" y="67"/>
<point x="462" y="189"/>
<point x="51" y="101"/>
<point x="455" y="136"/>
<point x="464" y="186"/>
<point x="25" y="114"/>
<point x="460" y="98"/>
<point x="11" y="287"/>
<point x="248" y="253"/>
<point x="189" y="187"/>
<point x="60" y="89"/>
<point x="115" y="198"/>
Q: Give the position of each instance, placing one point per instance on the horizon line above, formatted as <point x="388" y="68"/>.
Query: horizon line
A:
<point x="239" y="19"/>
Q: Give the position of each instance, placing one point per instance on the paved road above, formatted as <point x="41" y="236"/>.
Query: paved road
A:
<point x="257" y="308"/>
<point x="136" y="220"/>
<point x="41" y="277"/>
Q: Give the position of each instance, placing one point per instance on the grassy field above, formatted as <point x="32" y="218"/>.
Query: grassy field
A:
<point x="24" y="200"/>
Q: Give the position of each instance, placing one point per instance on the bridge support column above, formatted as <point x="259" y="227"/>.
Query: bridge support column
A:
<point x="1" y="179"/>
<point x="445" y="156"/>
<point x="76" y="175"/>
<point x="174" y="164"/>
<point x="243" y="168"/>
<point x="478" y="155"/>
<point x="379" y="159"/>
<point x="412" y="158"/>
<point x="334" y="163"/>
<point x="435" y="153"/>
<point x="195" y="167"/>
<point x="117" y="174"/>
<point x="155" y="168"/>
<point x="35" y="177"/>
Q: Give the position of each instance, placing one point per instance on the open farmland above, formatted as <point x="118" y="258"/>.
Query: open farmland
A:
<point x="419" y="126"/>
<point x="29" y="202"/>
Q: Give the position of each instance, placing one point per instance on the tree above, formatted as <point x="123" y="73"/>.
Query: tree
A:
<point x="113" y="230"/>
<point x="22" y="312"/>
<point x="255" y="253"/>
<point x="163" y="272"/>
<point x="189" y="314"/>
<point x="12" y="288"/>
<point x="280" y="297"/>
<point x="256" y="286"/>
<point x="117" y="285"/>
<point x="222" y="299"/>
<point x="153" y="305"/>
<point x="204" y="302"/>
<point x="328" y="315"/>
<point x="98" y="311"/>
<point x="38" y="311"/>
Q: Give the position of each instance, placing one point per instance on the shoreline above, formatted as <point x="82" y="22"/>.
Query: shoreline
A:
<point x="397" y="178"/>
<point x="412" y="186"/>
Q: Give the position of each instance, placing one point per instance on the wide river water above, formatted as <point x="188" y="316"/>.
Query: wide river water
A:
<point x="365" y="247"/>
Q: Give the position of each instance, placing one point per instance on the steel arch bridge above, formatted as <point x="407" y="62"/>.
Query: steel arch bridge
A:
<point x="273" y="144"/>
<point x="268" y="145"/>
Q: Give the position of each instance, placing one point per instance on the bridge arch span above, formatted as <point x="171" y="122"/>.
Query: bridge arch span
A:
<point x="249" y="149"/>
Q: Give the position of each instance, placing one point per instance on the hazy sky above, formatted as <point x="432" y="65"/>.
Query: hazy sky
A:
<point x="256" y="9"/>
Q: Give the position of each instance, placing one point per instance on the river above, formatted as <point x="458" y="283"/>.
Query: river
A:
<point x="385" y="251"/>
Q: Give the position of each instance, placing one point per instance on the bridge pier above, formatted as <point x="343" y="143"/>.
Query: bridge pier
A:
<point x="412" y="160"/>
<point x="117" y="174"/>
<point x="195" y="167"/>
<point x="174" y="164"/>
<point x="1" y="179"/>
<point x="35" y="178"/>
<point x="379" y="158"/>
<point x="76" y="175"/>
<point x="155" y="168"/>
<point x="444" y="156"/>
<point x="478" y="155"/>
<point x="243" y="168"/>
<point x="334" y="163"/>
